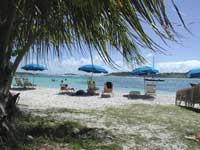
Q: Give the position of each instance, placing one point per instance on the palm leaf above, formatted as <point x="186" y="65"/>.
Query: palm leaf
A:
<point x="99" y="24"/>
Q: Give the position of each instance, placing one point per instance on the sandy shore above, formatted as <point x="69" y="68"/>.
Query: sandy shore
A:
<point x="43" y="98"/>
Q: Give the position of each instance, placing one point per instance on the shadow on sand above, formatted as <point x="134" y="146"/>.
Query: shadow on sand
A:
<point x="137" y="97"/>
<point x="22" y="89"/>
<point x="197" y="110"/>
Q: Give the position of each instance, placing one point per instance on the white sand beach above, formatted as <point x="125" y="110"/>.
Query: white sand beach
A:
<point x="43" y="98"/>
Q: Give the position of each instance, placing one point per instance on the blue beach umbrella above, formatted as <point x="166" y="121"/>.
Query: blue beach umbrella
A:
<point x="93" y="69"/>
<point x="146" y="70"/>
<point x="143" y="71"/>
<point x="34" y="67"/>
<point x="193" y="73"/>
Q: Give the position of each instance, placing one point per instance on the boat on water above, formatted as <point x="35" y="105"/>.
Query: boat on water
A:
<point x="153" y="79"/>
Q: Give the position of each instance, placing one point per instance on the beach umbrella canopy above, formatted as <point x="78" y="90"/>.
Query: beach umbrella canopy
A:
<point x="143" y="71"/>
<point x="146" y="70"/>
<point x="193" y="73"/>
<point x="93" y="69"/>
<point x="34" y="67"/>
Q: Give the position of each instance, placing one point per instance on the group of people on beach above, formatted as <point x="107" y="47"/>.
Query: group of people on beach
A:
<point x="107" y="92"/>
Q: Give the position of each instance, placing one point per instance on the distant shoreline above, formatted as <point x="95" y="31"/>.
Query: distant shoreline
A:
<point x="120" y="74"/>
<point x="161" y="75"/>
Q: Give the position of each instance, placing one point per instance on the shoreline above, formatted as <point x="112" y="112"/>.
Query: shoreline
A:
<point x="121" y="84"/>
<point x="45" y="98"/>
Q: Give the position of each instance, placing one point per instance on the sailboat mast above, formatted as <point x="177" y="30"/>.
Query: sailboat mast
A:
<point x="153" y="61"/>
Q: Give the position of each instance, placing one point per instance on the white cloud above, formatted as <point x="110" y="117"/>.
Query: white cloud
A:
<point x="178" y="66"/>
<point x="71" y="65"/>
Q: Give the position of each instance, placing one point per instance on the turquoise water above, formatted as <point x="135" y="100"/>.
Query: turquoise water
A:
<point x="121" y="84"/>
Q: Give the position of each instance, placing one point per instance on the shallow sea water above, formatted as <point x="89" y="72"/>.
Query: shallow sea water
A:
<point x="121" y="84"/>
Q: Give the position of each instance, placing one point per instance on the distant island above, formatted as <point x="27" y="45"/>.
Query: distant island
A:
<point x="23" y="73"/>
<point x="43" y="74"/>
<point x="161" y="75"/>
<point x="70" y="74"/>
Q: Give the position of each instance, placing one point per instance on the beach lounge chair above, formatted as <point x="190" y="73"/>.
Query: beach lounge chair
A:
<point x="28" y="84"/>
<point x="19" y="83"/>
<point x="92" y="88"/>
<point x="150" y="89"/>
<point x="108" y="90"/>
<point x="137" y="95"/>
<point x="132" y="94"/>
<point x="65" y="89"/>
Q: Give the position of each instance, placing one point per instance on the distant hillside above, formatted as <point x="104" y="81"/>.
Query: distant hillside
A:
<point x="171" y="75"/>
<point x="161" y="75"/>
<point x="120" y="74"/>
<point x="70" y="74"/>
<point x="23" y="73"/>
<point x="31" y="73"/>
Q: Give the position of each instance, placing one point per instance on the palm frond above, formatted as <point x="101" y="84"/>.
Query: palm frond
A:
<point x="96" y="23"/>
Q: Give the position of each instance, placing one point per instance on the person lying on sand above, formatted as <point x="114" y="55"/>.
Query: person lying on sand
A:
<point x="65" y="87"/>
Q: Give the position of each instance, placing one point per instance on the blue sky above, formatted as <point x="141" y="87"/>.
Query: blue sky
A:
<point x="178" y="57"/>
<point x="190" y="42"/>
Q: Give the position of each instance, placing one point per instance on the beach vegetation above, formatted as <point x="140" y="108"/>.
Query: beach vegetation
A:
<point x="35" y="132"/>
<point x="135" y="126"/>
<point x="155" y="126"/>
<point x="48" y="28"/>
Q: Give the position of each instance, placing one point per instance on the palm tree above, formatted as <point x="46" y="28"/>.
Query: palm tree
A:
<point x="45" y="24"/>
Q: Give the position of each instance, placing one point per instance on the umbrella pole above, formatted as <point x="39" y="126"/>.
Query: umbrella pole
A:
<point x="144" y="85"/>
<point x="33" y="77"/>
<point x="91" y="61"/>
<point x="92" y="76"/>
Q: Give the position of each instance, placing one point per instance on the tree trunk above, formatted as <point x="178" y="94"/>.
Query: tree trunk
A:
<point x="5" y="77"/>
<point x="7" y="69"/>
<point x="6" y="103"/>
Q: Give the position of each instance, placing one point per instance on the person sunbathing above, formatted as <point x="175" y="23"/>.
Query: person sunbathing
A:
<point x="92" y="88"/>
<point x="108" y="90"/>
<point x="108" y="87"/>
<point x="65" y="88"/>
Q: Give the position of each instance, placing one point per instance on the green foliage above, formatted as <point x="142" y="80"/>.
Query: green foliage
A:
<point x="34" y="132"/>
<point x="98" y="24"/>
<point x="153" y="122"/>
